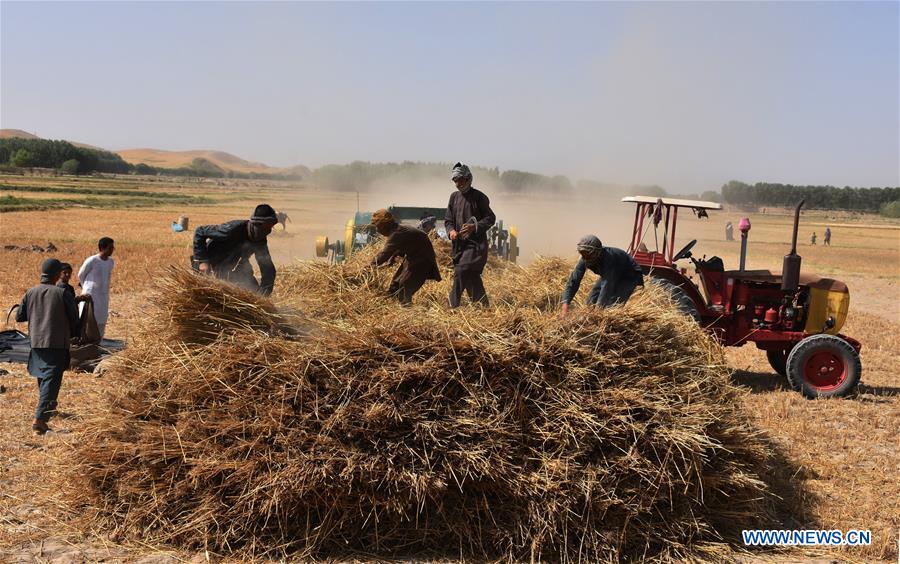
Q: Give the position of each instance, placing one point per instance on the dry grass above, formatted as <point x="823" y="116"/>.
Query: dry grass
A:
<point x="846" y="450"/>
<point x="483" y="434"/>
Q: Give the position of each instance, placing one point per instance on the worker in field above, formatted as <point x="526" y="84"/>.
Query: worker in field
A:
<point x="283" y="219"/>
<point x="619" y="274"/>
<point x="812" y="239"/>
<point x="94" y="277"/>
<point x="224" y="250"/>
<point x="413" y="247"/>
<point x="52" y="321"/>
<point x="729" y="231"/>
<point x="468" y="219"/>
<point x="64" y="277"/>
<point x="826" y="240"/>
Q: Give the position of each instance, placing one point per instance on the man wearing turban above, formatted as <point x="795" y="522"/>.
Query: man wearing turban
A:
<point x="468" y="219"/>
<point x="619" y="274"/>
<point x="52" y="321"/>
<point x="224" y="250"/>
<point x="413" y="247"/>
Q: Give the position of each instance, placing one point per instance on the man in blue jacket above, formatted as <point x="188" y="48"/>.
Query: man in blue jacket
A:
<point x="224" y="250"/>
<point x="619" y="274"/>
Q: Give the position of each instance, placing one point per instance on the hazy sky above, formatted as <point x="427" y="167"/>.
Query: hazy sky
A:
<point x="685" y="95"/>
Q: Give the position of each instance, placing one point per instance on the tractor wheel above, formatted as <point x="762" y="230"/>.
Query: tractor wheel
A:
<point x="684" y="302"/>
<point x="778" y="360"/>
<point x="824" y="366"/>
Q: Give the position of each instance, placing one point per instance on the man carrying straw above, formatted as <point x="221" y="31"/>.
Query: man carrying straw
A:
<point x="619" y="274"/>
<point x="224" y="250"/>
<point x="415" y="249"/>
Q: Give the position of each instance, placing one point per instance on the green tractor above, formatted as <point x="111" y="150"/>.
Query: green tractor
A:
<point x="359" y="233"/>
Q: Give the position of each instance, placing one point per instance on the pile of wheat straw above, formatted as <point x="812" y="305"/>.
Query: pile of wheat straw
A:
<point x="365" y="429"/>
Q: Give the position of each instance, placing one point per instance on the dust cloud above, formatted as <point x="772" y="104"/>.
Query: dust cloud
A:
<point x="548" y="224"/>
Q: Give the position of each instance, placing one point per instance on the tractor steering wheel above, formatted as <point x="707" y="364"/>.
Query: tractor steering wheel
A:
<point x="685" y="252"/>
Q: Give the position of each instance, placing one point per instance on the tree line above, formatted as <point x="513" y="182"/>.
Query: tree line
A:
<point x="817" y="197"/>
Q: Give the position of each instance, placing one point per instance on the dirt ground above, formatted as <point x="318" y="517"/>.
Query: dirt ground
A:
<point x="848" y="450"/>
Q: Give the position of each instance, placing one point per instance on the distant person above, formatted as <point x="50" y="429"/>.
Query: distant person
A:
<point x="224" y="250"/>
<point x="283" y="219"/>
<point x="64" y="277"/>
<point x="827" y="239"/>
<point x="812" y="239"/>
<point x="619" y="274"/>
<point x="414" y="247"/>
<point x="94" y="278"/>
<point x="468" y="219"/>
<point x="729" y="231"/>
<point x="52" y="321"/>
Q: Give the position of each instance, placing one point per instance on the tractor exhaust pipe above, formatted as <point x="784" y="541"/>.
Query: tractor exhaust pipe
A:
<point x="790" y="270"/>
<point x="744" y="227"/>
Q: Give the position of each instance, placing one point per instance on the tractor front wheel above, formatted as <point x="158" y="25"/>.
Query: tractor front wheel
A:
<point x="778" y="361"/>
<point x="824" y="366"/>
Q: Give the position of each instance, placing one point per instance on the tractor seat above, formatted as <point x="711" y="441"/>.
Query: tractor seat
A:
<point x="767" y="276"/>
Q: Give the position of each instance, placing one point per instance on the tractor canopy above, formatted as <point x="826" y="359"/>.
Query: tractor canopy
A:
<point x="662" y="215"/>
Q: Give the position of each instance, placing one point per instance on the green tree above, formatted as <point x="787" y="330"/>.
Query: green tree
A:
<point x="70" y="166"/>
<point x="22" y="157"/>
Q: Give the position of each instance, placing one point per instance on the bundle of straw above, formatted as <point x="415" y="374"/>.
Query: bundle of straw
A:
<point x="420" y="432"/>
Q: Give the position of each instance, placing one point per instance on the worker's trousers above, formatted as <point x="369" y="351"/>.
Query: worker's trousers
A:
<point x="605" y="295"/>
<point x="469" y="282"/>
<point x="405" y="290"/>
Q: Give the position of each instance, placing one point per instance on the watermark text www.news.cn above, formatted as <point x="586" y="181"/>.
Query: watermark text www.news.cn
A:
<point x="806" y="537"/>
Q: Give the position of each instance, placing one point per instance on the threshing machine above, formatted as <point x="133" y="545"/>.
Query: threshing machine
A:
<point x="358" y="233"/>
<point x="796" y="318"/>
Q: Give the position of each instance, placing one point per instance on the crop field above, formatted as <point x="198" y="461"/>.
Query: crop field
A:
<point x="846" y="451"/>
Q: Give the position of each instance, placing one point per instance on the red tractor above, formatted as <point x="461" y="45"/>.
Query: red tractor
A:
<point x="796" y="318"/>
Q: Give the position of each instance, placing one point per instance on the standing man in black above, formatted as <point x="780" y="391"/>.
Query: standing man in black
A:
<point x="224" y="250"/>
<point x="468" y="219"/>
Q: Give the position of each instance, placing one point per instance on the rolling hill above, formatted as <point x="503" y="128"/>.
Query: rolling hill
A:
<point x="177" y="159"/>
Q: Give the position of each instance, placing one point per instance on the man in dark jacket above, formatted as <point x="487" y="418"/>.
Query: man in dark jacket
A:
<point x="619" y="274"/>
<point x="468" y="219"/>
<point x="224" y="250"/>
<point x="52" y="321"/>
<point x="415" y="249"/>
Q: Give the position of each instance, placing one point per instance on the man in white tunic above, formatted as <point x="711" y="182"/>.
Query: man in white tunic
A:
<point x="93" y="277"/>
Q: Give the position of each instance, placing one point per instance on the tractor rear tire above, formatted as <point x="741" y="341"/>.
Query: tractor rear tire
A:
<point x="824" y="366"/>
<point x="683" y="301"/>
<point x="778" y="361"/>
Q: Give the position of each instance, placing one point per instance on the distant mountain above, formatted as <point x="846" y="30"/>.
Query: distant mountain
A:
<point x="178" y="159"/>
<point x="11" y="133"/>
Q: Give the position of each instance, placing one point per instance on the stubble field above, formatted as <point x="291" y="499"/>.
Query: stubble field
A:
<point x="848" y="450"/>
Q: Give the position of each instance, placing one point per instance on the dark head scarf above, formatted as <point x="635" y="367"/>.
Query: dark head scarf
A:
<point x="49" y="269"/>
<point x="261" y="222"/>
<point x="591" y="244"/>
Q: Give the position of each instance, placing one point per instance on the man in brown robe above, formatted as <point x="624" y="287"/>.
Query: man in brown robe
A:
<point x="411" y="245"/>
<point x="468" y="219"/>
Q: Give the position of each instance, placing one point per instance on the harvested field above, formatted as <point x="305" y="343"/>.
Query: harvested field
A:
<point x="476" y="434"/>
<point x="840" y="455"/>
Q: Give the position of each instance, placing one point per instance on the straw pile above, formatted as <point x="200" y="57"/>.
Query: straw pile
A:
<point x="388" y="432"/>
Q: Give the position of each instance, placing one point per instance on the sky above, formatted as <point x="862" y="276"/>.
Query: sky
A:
<point x="683" y="95"/>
